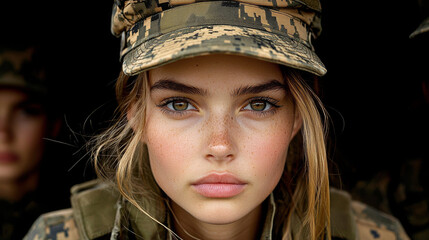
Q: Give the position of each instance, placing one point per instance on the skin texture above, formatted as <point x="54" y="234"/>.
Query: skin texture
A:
<point x="219" y="124"/>
<point x="23" y="125"/>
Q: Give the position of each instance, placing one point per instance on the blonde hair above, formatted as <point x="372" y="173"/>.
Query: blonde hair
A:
<point x="121" y="159"/>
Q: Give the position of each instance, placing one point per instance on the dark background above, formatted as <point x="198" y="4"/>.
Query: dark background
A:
<point x="372" y="89"/>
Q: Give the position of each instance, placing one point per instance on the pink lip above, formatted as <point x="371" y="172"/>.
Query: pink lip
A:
<point x="8" y="157"/>
<point x="217" y="185"/>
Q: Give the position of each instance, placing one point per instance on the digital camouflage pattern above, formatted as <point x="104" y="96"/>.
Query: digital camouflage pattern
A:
<point x="402" y="193"/>
<point x="54" y="226"/>
<point x="156" y="32"/>
<point x="373" y="224"/>
<point x="99" y="213"/>
<point x="18" y="68"/>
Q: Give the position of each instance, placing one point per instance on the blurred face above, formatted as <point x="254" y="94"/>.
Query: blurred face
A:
<point x="23" y="124"/>
<point x="217" y="130"/>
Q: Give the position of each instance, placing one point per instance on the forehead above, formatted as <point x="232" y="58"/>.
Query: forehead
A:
<point x="218" y="69"/>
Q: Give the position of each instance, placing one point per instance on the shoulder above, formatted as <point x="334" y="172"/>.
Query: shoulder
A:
<point x="355" y="220"/>
<point x="374" y="224"/>
<point x="54" y="225"/>
<point x="92" y="215"/>
<point x="94" y="208"/>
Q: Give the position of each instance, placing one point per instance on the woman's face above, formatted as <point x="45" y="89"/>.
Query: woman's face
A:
<point x="23" y="125"/>
<point x="217" y="130"/>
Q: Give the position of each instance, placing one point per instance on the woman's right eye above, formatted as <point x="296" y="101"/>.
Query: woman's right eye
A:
<point x="177" y="105"/>
<point x="180" y="105"/>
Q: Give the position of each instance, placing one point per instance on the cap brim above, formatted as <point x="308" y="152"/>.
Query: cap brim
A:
<point x="18" y="82"/>
<point x="423" y="28"/>
<point x="202" y="40"/>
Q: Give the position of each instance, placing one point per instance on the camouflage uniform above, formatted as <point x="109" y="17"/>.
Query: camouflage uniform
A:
<point x="100" y="213"/>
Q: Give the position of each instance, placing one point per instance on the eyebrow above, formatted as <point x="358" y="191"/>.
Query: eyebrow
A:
<point x="168" y="84"/>
<point x="272" y="85"/>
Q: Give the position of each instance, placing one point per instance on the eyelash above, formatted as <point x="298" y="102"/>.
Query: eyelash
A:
<point x="272" y="102"/>
<point x="164" y="105"/>
<point x="273" y="108"/>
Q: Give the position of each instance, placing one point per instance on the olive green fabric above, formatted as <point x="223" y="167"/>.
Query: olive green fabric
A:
<point x="94" y="208"/>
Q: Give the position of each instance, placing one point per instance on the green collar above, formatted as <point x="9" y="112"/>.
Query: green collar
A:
<point x="143" y="226"/>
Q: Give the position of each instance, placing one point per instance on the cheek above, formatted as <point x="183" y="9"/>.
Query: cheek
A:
<point x="268" y="151"/>
<point x="169" y="148"/>
<point x="29" y="137"/>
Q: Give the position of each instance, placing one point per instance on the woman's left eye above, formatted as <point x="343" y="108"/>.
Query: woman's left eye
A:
<point x="31" y="110"/>
<point x="260" y="105"/>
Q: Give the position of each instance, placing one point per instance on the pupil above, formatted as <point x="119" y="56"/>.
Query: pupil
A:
<point x="180" y="106"/>
<point x="258" y="106"/>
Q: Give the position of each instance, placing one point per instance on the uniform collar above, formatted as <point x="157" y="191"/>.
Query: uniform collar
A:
<point x="267" y="231"/>
<point x="143" y="226"/>
<point x="342" y="221"/>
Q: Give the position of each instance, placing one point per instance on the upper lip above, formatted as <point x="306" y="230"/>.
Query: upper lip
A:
<point x="219" y="178"/>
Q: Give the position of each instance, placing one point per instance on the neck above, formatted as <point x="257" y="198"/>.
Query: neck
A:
<point x="15" y="189"/>
<point x="190" y="228"/>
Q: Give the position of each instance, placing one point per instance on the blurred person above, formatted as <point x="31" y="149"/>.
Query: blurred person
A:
<point x="409" y="189"/>
<point x="27" y="118"/>
<point x="402" y="189"/>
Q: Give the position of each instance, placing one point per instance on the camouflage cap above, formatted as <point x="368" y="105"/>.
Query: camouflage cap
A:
<point x="19" y="69"/>
<point x="156" y="32"/>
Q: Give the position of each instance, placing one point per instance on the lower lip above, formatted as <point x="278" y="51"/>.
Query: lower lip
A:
<point x="219" y="190"/>
<point x="8" y="158"/>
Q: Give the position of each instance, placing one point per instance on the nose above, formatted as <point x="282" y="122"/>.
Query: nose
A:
<point x="220" y="139"/>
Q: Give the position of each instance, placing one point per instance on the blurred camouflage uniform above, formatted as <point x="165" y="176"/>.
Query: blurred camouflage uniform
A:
<point x="409" y="197"/>
<point x="21" y="68"/>
<point x="403" y="190"/>
<point x="157" y="32"/>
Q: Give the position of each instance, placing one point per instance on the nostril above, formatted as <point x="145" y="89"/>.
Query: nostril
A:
<point x="219" y="157"/>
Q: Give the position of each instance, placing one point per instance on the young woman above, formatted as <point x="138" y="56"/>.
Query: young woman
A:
<point x="219" y="134"/>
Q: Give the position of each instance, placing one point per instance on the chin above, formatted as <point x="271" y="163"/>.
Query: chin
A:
<point x="221" y="213"/>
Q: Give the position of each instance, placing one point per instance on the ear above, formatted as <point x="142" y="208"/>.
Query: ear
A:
<point x="297" y="123"/>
